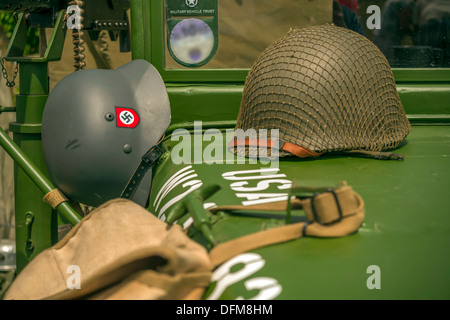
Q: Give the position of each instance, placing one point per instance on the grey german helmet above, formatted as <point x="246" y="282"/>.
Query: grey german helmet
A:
<point x="101" y="131"/>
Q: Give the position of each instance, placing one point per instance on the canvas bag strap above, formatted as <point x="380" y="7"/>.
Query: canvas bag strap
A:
<point x="334" y="213"/>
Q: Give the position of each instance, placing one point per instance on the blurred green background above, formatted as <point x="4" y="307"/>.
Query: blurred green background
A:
<point x="7" y="23"/>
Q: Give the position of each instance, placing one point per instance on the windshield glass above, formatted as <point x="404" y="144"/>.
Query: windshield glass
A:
<point x="228" y="34"/>
<point x="414" y="33"/>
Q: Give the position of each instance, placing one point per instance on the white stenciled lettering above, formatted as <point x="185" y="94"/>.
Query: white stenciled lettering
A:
<point x="253" y="195"/>
<point x="260" y="198"/>
<point x="177" y="179"/>
<point x="263" y="173"/>
<point x="184" y="177"/>
<point x="261" y="185"/>
<point x="193" y="185"/>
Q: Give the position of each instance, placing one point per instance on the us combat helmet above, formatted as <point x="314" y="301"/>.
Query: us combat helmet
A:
<point x="101" y="130"/>
<point x="326" y="89"/>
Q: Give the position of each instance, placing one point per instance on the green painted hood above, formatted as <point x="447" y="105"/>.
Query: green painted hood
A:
<point x="400" y="251"/>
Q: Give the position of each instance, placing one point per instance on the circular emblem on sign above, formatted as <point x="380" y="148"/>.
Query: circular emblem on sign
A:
<point x="191" y="41"/>
<point x="191" y="3"/>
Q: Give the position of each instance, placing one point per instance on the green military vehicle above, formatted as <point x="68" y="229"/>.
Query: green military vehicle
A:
<point x="372" y="121"/>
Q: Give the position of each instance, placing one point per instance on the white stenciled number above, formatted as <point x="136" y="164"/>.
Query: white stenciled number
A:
<point x="269" y="287"/>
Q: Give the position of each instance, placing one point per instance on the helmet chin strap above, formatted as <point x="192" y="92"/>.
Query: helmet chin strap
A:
<point x="148" y="160"/>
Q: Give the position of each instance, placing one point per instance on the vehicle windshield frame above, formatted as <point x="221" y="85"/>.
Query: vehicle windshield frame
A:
<point x="153" y="48"/>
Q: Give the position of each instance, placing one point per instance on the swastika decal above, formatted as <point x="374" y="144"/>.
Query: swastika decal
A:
<point x="126" y="117"/>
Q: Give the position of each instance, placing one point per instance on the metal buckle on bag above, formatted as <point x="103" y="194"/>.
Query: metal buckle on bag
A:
<point x="314" y="209"/>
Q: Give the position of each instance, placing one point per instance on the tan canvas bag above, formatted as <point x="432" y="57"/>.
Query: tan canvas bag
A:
<point x="122" y="252"/>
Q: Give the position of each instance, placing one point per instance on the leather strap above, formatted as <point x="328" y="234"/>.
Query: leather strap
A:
<point x="285" y="146"/>
<point x="334" y="213"/>
<point x="148" y="160"/>
<point x="298" y="151"/>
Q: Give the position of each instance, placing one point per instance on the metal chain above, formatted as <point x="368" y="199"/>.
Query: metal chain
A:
<point x="77" y="35"/>
<point x="5" y="73"/>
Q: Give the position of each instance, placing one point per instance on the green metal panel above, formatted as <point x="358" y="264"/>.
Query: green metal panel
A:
<point x="405" y="233"/>
<point x="425" y="98"/>
<point x="422" y="102"/>
<point x="430" y="75"/>
<point x="35" y="174"/>
<point x="36" y="221"/>
<point x="204" y="102"/>
<point x="137" y="30"/>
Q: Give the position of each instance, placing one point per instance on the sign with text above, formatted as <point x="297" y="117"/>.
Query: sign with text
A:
<point x="192" y="31"/>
